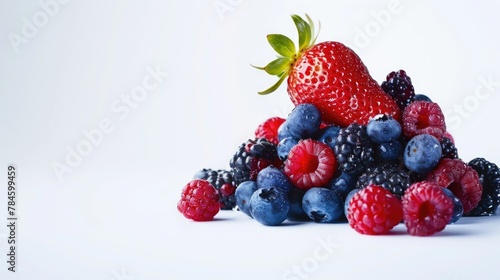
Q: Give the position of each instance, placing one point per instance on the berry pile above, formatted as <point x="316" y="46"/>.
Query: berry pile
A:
<point x="352" y="150"/>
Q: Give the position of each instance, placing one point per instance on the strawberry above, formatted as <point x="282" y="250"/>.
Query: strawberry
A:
<point x="329" y="75"/>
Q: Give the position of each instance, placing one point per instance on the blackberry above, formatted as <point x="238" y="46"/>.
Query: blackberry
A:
<point x="489" y="177"/>
<point x="354" y="149"/>
<point x="222" y="180"/>
<point x="398" y="85"/>
<point x="390" y="176"/>
<point x="448" y="149"/>
<point x="416" y="177"/>
<point x="251" y="157"/>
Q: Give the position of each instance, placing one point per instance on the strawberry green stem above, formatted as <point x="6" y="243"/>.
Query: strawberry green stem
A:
<point x="287" y="51"/>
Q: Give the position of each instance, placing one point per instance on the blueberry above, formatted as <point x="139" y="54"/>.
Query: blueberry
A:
<point x="383" y="128"/>
<point x="348" y="199"/>
<point x="273" y="177"/>
<point x="322" y="205"/>
<point x="296" y="212"/>
<point x="283" y="132"/>
<point x="387" y="152"/>
<point x="243" y="193"/>
<point x="269" y="206"/>
<point x="202" y="174"/>
<point x="421" y="97"/>
<point x="458" y="207"/>
<point x="342" y="183"/>
<point x="328" y="135"/>
<point x="284" y="147"/>
<point x="303" y="121"/>
<point x="422" y="153"/>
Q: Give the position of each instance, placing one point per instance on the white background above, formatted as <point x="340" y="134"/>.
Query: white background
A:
<point x="67" y="68"/>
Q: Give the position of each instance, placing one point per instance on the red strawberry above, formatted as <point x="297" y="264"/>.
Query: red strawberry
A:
<point x="330" y="76"/>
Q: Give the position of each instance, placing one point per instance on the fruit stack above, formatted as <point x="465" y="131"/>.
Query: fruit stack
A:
<point x="352" y="150"/>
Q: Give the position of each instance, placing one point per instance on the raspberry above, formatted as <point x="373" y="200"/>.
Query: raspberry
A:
<point x="489" y="176"/>
<point x="354" y="149"/>
<point x="423" y="117"/>
<point x="398" y="85"/>
<point x="222" y="180"/>
<point x="461" y="179"/>
<point x="269" y="129"/>
<point x="199" y="201"/>
<point x="374" y="210"/>
<point x="310" y="164"/>
<point x="426" y="209"/>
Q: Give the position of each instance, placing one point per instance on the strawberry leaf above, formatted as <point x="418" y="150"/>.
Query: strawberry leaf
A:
<point x="278" y="66"/>
<point x="304" y="31"/>
<point x="275" y="86"/>
<point x="311" y="24"/>
<point x="282" y="45"/>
